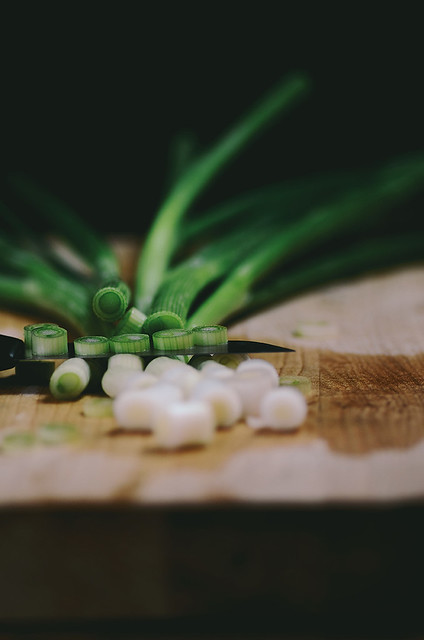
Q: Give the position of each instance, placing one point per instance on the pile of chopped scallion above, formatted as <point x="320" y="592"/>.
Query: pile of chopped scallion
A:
<point x="202" y="268"/>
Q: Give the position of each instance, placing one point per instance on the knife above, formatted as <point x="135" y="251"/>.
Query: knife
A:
<point x="12" y="351"/>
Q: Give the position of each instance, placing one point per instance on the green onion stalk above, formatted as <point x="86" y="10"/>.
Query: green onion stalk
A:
<point x="161" y="240"/>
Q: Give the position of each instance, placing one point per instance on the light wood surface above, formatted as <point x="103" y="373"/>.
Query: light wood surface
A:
<point x="362" y="439"/>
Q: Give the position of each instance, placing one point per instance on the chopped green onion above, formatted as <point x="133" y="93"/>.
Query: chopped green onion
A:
<point x="49" y="341"/>
<point x="58" y="433"/>
<point x="303" y="383"/>
<point x="18" y="441"/>
<point x="231" y="360"/>
<point x="111" y="301"/>
<point x="130" y="343"/>
<point x="89" y="244"/>
<point x="91" y="345"/>
<point x="29" y="328"/>
<point x="131" y="322"/>
<point x="162" y="320"/>
<point x="98" y="407"/>
<point x="210" y="335"/>
<point x="173" y="339"/>
<point x="70" y="379"/>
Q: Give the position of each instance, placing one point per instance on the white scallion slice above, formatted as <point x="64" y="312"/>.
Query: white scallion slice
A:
<point x="251" y="385"/>
<point x="91" y="345"/>
<point x="172" y="339"/>
<point x="70" y="379"/>
<point x="29" y="328"/>
<point x="58" y="433"/>
<point x="210" y="335"/>
<point x="182" y="424"/>
<point x="215" y="370"/>
<point x="136" y="408"/>
<point x="284" y="408"/>
<point x="159" y="365"/>
<point x="125" y="361"/>
<point x="182" y="376"/>
<point x="224" y="400"/>
<point x="302" y="383"/>
<point x="141" y="380"/>
<point x="131" y="322"/>
<point x="259" y="364"/>
<point x="115" y="380"/>
<point x="130" y="343"/>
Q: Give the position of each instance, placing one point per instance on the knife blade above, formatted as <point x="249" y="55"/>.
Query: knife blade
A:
<point x="12" y="351"/>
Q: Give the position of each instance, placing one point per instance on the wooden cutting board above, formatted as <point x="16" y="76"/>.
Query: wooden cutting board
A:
<point x="363" y="349"/>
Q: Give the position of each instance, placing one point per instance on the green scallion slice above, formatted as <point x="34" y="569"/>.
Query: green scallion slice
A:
<point x="131" y="322"/>
<point x="18" y="441"/>
<point x="70" y="379"/>
<point x="28" y="329"/>
<point x="130" y="343"/>
<point x="50" y="340"/>
<point x="91" y="346"/>
<point x="172" y="339"/>
<point x="111" y="301"/>
<point x="58" y="433"/>
<point x="210" y="335"/>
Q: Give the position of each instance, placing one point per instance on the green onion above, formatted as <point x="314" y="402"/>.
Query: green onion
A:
<point x="303" y="383"/>
<point x="58" y="433"/>
<point x="111" y="301"/>
<point x="131" y="322"/>
<point x="91" y="345"/>
<point x="49" y="340"/>
<point x="210" y="335"/>
<point x="324" y="223"/>
<point x="94" y="407"/>
<point x="130" y="343"/>
<point x="18" y="441"/>
<point x="70" y="379"/>
<point x="62" y="218"/>
<point x="160" y="242"/>
<point x="172" y="339"/>
<point x="29" y="328"/>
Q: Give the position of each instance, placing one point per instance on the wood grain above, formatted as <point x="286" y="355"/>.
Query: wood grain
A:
<point x="360" y="441"/>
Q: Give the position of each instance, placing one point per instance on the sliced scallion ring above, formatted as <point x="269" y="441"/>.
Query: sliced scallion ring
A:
<point x="131" y="322"/>
<point x="70" y="379"/>
<point x="130" y="343"/>
<point x="111" y="301"/>
<point x="210" y="335"/>
<point x="91" y="345"/>
<point x="50" y="340"/>
<point x="28" y="329"/>
<point x="172" y="339"/>
<point x="58" y="433"/>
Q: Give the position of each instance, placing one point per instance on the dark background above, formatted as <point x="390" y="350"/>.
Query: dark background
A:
<point x="92" y="94"/>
